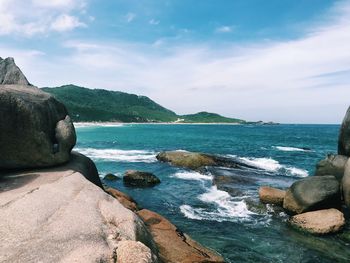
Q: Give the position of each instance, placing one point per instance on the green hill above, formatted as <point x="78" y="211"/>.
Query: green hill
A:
<point x="103" y="105"/>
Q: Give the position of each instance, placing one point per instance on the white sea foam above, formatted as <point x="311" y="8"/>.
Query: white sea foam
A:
<point x="268" y="164"/>
<point x="119" y="155"/>
<point x="297" y="172"/>
<point x="187" y="175"/>
<point x="97" y="124"/>
<point x="192" y="213"/>
<point x="290" y="149"/>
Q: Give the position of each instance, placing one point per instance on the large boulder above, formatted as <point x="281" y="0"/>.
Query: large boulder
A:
<point x="312" y="193"/>
<point x="345" y="184"/>
<point x="332" y="165"/>
<point x="270" y="195"/>
<point x="126" y="200"/>
<point x="174" y="245"/>
<point x="344" y="135"/>
<point x="35" y="129"/>
<point x="186" y="159"/>
<point x="134" y="252"/>
<point x="140" y="179"/>
<point x="320" y="222"/>
<point x="10" y="73"/>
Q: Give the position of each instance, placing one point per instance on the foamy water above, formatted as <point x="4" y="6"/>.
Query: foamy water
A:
<point x="290" y="149"/>
<point x="190" y="175"/>
<point x="119" y="155"/>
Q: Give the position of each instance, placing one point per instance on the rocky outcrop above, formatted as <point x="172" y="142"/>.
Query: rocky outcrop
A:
<point x="35" y="129"/>
<point x="134" y="252"/>
<point x="10" y="74"/>
<point x="140" y="179"/>
<point x="344" y="135"/>
<point x="174" y="245"/>
<point x="332" y="165"/>
<point x="111" y="177"/>
<point x="124" y="199"/>
<point x="320" y="222"/>
<point x="57" y="215"/>
<point x="270" y="195"/>
<point x="312" y="193"/>
<point x="345" y="183"/>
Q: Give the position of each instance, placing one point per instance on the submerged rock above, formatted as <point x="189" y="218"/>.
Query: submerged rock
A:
<point x="111" y="177"/>
<point x="321" y="222"/>
<point x="312" y="193"/>
<point x="140" y="179"/>
<point x="10" y="73"/>
<point x="123" y="198"/>
<point x="270" y="195"/>
<point x="332" y="165"/>
<point x="344" y="135"/>
<point x="174" y="245"/>
<point x="35" y="130"/>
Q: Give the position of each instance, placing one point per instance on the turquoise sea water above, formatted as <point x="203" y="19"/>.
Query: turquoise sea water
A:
<point x="234" y="224"/>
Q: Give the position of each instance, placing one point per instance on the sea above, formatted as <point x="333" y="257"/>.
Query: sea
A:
<point x="231" y="222"/>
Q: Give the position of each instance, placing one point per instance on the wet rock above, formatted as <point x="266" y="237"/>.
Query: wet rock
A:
<point x="270" y="195"/>
<point x="35" y="130"/>
<point x="111" y="177"/>
<point x="174" y="245"/>
<point x="134" y="252"/>
<point x="123" y="198"/>
<point x="344" y="135"/>
<point x="332" y="165"/>
<point x="312" y="193"/>
<point x="140" y="179"/>
<point x="321" y="222"/>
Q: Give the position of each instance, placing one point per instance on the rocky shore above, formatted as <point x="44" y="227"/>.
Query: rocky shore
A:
<point x="52" y="203"/>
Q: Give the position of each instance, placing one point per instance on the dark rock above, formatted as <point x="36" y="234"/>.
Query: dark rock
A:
<point x="111" y="177"/>
<point x="173" y="244"/>
<point x="270" y="195"/>
<point x="141" y="179"/>
<point x="35" y="130"/>
<point x="332" y="165"/>
<point x="10" y="73"/>
<point x="344" y="135"/>
<point x="321" y="222"/>
<point x="345" y="183"/>
<point x="312" y="193"/>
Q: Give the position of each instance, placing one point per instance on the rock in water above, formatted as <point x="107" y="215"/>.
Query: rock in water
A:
<point x="321" y="222"/>
<point x="312" y="193"/>
<point x="35" y="129"/>
<point x="175" y="246"/>
<point x="140" y="179"/>
<point x="10" y="73"/>
<point x="270" y="195"/>
<point x="111" y="177"/>
<point x="332" y="165"/>
<point x="344" y="135"/>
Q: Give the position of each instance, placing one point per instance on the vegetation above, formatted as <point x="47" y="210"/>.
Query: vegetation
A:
<point x="102" y="105"/>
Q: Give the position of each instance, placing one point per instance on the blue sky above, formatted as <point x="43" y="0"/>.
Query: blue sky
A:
<point x="286" y="61"/>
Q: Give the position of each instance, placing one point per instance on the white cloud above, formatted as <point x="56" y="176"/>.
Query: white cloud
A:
<point x="129" y="17"/>
<point x="66" y="23"/>
<point x="154" y="22"/>
<point x="28" y="18"/>
<point x="224" y="29"/>
<point x="301" y="80"/>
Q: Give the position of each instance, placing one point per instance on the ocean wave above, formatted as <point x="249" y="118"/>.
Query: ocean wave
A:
<point x="297" y="172"/>
<point x="291" y="149"/>
<point x="187" y="175"/>
<point x="119" y="155"/>
<point x="267" y="164"/>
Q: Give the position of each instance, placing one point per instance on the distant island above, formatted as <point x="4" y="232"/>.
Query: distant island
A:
<point x="99" y="105"/>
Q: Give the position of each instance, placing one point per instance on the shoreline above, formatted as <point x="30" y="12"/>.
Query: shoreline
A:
<point x="112" y="124"/>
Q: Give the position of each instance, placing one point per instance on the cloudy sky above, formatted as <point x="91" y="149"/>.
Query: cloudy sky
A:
<point x="286" y="61"/>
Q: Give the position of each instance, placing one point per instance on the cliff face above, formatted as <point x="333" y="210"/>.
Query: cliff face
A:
<point x="58" y="214"/>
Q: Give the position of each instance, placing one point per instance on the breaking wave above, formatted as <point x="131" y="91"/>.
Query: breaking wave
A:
<point x="187" y="175"/>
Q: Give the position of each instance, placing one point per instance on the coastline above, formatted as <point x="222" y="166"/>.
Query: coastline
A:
<point x="116" y="124"/>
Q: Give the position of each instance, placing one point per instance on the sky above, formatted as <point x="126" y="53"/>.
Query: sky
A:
<point x="284" y="61"/>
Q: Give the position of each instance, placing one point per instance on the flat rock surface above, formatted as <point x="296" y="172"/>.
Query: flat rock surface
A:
<point x="57" y="215"/>
<point x="320" y="222"/>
